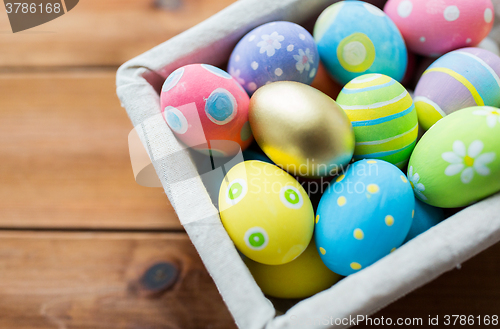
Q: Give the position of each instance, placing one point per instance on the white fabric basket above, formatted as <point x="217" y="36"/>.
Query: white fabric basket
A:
<point x="421" y="260"/>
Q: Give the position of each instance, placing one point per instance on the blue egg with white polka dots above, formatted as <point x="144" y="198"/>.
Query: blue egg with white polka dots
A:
<point x="364" y="215"/>
<point x="276" y="51"/>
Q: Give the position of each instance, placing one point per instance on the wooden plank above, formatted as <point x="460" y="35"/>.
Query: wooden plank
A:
<point x="64" y="156"/>
<point x="101" y="33"/>
<point x="90" y="280"/>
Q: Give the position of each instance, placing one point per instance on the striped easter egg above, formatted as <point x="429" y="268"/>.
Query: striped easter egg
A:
<point x="462" y="78"/>
<point x="383" y="117"/>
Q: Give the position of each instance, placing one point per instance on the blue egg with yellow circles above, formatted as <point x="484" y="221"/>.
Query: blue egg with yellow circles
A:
<point x="364" y="215"/>
<point x="356" y="38"/>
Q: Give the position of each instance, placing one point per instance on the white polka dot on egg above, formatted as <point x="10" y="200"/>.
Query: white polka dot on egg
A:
<point x="451" y="13"/>
<point x="252" y="86"/>
<point x="278" y="72"/>
<point x="290" y="48"/>
<point x="434" y="27"/>
<point x="312" y="73"/>
<point x="405" y="8"/>
<point x="302" y="37"/>
<point x="488" y="15"/>
<point x="254" y="65"/>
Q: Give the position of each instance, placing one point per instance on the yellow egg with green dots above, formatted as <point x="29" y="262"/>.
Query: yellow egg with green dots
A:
<point x="300" y="278"/>
<point x="383" y="118"/>
<point x="266" y="212"/>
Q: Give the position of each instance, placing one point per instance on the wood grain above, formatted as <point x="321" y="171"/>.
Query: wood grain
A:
<point x="65" y="160"/>
<point x="86" y="280"/>
<point x="101" y="33"/>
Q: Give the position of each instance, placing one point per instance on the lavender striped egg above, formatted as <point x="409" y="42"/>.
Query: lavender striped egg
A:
<point x="462" y="78"/>
<point x="276" y="51"/>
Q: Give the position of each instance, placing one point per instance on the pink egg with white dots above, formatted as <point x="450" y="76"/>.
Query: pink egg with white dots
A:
<point x="207" y="109"/>
<point x="435" y="27"/>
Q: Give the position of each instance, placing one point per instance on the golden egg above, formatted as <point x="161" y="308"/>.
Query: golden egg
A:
<point x="301" y="129"/>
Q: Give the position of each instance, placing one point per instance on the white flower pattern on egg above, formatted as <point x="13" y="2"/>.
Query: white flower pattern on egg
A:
<point x="492" y="116"/>
<point x="467" y="161"/>
<point x="270" y="43"/>
<point x="236" y="75"/>
<point x="418" y="188"/>
<point x="304" y="60"/>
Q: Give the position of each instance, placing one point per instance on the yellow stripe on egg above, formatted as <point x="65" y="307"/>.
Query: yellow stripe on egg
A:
<point x="428" y="112"/>
<point x="367" y="81"/>
<point x="378" y="110"/>
<point x="460" y="78"/>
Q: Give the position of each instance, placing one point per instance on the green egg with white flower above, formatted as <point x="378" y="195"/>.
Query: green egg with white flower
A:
<point x="457" y="161"/>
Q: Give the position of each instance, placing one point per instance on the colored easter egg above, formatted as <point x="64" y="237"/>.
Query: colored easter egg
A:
<point x="266" y="212"/>
<point x="433" y="28"/>
<point x="424" y="218"/>
<point x="363" y="216"/>
<point x="301" y="129"/>
<point x="355" y="38"/>
<point x="276" y="51"/>
<point x="457" y="161"/>
<point x="300" y="278"/>
<point x="462" y="78"/>
<point x="204" y="105"/>
<point x="383" y="117"/>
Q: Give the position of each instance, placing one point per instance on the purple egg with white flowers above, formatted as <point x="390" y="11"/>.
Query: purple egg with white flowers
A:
<point x="276" y="51"/>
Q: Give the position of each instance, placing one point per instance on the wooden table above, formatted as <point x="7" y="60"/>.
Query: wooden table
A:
<point x="79" y="239"/>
